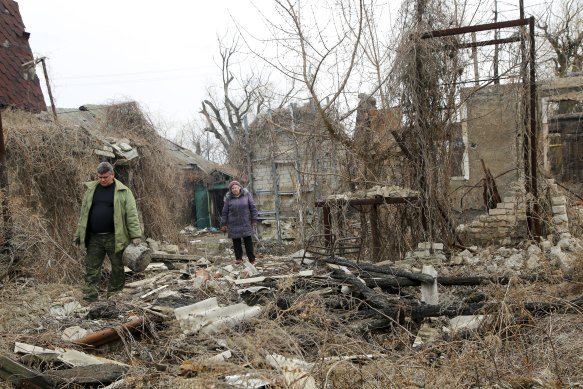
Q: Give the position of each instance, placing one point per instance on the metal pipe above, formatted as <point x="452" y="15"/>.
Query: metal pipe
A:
<point x="533" y="130"/>
<point x="109" y="335"/>
<point x="488" y="42"/>
<point x="476" y="28"/>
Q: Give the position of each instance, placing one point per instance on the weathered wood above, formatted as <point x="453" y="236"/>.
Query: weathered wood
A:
<point x="373" y="298"/>
<point x="382" y="281"/>
<point x="18" y="374"/>
<point x="398" y="310"/>
<point x="390" y="314"/>
<point x="378" y="269"/>
<point x="93" y="374"/>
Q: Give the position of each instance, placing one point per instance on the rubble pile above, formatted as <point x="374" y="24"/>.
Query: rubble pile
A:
<point x="196" y="320"/>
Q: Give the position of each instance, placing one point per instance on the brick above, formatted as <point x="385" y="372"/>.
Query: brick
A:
<point x="509" y="200"/>
<point x="558" y="219"/>
<point x="428" y="245"/>
<point x="506" y="218"/>
<point x="510" y="206"/>
<point x="559" y="200"/>
<point x="560" y="210"/>
<point x="497" y="211"/>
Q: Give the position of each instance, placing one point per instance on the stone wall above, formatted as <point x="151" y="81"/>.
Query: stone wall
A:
<point x="491" y="125"/>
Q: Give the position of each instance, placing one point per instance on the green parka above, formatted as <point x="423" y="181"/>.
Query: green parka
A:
<point x="125" y="215"/>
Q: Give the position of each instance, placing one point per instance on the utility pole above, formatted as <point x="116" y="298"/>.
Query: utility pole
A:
<point x="496" y="37"/>
<point x="475" y="59"/>
<point x="35" y="62"/>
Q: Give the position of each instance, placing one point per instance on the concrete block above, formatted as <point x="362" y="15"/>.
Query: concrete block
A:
<point x="504" y="219"/>
<point x="429" y="245"/>
<point x="509" y="199"/>
<point x="429" y="294"/>
<point x="558" y="219"/>
<point x="559" y="200"/>
<point x="104" y="153"/>
<point x="559" y="210"/>
<point x="497" y="211"/>
<point x="561" y="228"/>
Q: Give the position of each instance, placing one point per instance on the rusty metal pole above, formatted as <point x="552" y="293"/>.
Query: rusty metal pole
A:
<point x="533" y="130"/>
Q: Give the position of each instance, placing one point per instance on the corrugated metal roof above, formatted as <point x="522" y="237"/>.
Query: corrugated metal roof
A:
<point x="20" y="87"/>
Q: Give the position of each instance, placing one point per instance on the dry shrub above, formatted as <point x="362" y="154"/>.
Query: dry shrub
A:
<point x="159" y="186"/>
<point x="47" y="164"/>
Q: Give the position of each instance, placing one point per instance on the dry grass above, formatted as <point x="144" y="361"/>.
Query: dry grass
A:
<point x="302" y="320"/>
<point x="47" y="164"/>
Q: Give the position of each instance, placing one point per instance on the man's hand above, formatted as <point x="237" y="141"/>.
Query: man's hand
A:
<point x="136" y="241"/>
<point x="224" y="228"/>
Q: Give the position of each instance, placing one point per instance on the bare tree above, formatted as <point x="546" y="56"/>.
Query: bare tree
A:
<point x="238" y="100"/>
<point x="562" y="26"/>
<point x="225" y="113"/>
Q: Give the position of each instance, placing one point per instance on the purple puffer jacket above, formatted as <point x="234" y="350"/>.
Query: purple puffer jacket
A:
<point x="239" y="214"/>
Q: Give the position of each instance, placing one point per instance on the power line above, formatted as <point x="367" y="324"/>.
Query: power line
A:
<point x="131" y="73"/>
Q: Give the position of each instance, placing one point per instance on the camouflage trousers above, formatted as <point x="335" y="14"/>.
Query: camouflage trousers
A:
<point x="97" y="247"/>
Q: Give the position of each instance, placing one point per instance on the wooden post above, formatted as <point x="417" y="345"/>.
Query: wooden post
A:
<point x="49" y="88"/>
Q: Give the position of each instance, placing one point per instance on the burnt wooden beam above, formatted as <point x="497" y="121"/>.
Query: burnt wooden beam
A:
<point x="390" y="314"/>
<point x="378" y="269"/>
<point x="383" y="281"/>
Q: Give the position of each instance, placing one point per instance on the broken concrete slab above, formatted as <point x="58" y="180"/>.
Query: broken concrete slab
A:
<point x="466" y="322"/>
<point x="246" y="381"/>
<point x="208" y="317"/>
<point x="73" y="333"/>
<point x="296" y="372"/>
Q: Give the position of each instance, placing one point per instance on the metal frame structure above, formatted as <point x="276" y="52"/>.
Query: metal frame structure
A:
<point x="530" y="134"/>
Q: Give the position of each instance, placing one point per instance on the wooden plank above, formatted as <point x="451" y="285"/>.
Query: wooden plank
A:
<point x="17" y="373"/>
<point x="174" y="257"/>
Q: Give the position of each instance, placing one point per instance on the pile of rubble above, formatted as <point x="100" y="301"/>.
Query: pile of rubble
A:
<point x="193" y="321"/>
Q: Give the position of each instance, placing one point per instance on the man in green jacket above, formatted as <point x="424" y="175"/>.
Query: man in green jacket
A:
<point x="108" y="221"/>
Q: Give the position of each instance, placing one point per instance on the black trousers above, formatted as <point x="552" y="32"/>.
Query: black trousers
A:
<point x="237" y="246"/>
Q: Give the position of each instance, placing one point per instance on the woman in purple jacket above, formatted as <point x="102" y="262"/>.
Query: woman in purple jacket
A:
<point x="239" y="217"/>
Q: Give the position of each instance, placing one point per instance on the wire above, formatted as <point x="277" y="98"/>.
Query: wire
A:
<point x="131" y="74"/>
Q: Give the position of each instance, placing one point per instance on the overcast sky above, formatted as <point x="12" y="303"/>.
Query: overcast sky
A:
<point x="159" y="53"/>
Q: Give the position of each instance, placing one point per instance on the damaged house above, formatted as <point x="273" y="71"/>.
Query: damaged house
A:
<point x="20" y="86"/>
<point x="491" y="130"/>
<point x="203" y="182"/>
<point x="294" y="163"/>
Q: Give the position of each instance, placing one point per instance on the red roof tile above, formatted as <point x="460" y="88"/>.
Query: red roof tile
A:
<point x="18" y="87"/>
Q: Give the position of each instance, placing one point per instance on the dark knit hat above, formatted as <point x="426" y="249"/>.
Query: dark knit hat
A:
<point x="234" y="183"/>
